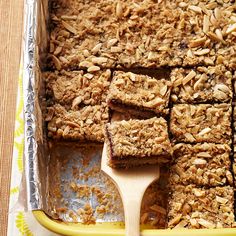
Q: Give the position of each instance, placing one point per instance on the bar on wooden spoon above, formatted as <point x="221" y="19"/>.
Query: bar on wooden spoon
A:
<point x="138" y="142"/>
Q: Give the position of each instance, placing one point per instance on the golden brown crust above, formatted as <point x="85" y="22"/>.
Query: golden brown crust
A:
<point x="134" y="33"/>
<point x="201" y="123"/>
<point x="77" y="87"/>
<point x="191" y="207"/>
<point x="84" y="124"/>
<point x="140" y="91"/>
<point x="138" y="141"/>
<point x="204" y="164"/>
<point x="202" y="84"/>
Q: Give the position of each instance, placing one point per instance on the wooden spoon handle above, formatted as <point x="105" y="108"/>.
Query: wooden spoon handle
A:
<point x="132" y="217"/>
<point x="132" y="209"/>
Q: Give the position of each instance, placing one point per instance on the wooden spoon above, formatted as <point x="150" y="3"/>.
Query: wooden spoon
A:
<point x="131" y="184"/>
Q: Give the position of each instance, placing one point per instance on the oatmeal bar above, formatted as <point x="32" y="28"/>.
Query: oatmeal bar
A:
<point x="137" y="142"/>
<point x="202" y="84"/>
<point x="84" y="124"/>
<point x="201" y="123"/>
<point x="191" y="207"/>
<point x="105" y="33"/>
<point x="77" y="87"/>
<point x="204" y="164"/>
<point x="139" y="94"/>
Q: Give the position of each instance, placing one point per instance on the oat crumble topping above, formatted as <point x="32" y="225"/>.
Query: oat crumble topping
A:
<point x="73" y="88"/>
<point x="136" y="142"/>
<point x="204" y="164"/>
<point x="201" y="123"/>
<point x="191" y="207"/>
<point x="202" y="84"/>
<point x="84" y="124"/>
<point x="141" y="92"/>
<point x="108" y="34"/>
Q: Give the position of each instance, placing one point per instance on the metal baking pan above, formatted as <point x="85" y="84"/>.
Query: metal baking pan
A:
<point x="36" y="149"/>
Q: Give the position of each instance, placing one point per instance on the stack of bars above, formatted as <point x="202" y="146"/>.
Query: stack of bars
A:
<point x="103" y="82"/>
<point x="141" y="137"/>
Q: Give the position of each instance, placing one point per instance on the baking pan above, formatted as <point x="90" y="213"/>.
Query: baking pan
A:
<point x="36" y="150"/>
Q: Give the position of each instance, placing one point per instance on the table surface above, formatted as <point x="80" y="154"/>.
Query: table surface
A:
<point x="11" y="19"/>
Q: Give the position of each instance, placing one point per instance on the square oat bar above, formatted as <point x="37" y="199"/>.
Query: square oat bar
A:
<point x="77" y="87"/>
<point x="138" y="94"/>
<point x="201" y="123"/>
<point x="202" y="164"/>
<point x="138" y="142"/>
<point x="85" y="124"/>
<point x="202" y="84"/>
<point x="191" y="207"/>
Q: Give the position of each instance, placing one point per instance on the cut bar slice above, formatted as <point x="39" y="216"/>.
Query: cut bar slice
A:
<point x="202" y="84"/>
<point x="139" y="94"/>
<point x="138" y="142"/>
<point x="201" y="123"/>
<point x="77" y="87"/>
<point x="204" y="164"/>
<point x="82" y="125"/>
<point x="191" y="207"/>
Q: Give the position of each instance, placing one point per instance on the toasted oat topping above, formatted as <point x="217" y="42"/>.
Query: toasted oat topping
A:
<point x="202" y="84"/>
<point x="201" y="123"/>
<point x="141" y="91"/>
<point x="77" y="87"/>
<point x="86" y="123"/>
<point x="141" y="33"/>
<point x="191" y="207"/>
<point x="204" y="164"/>
<point x="138" y="138"/>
